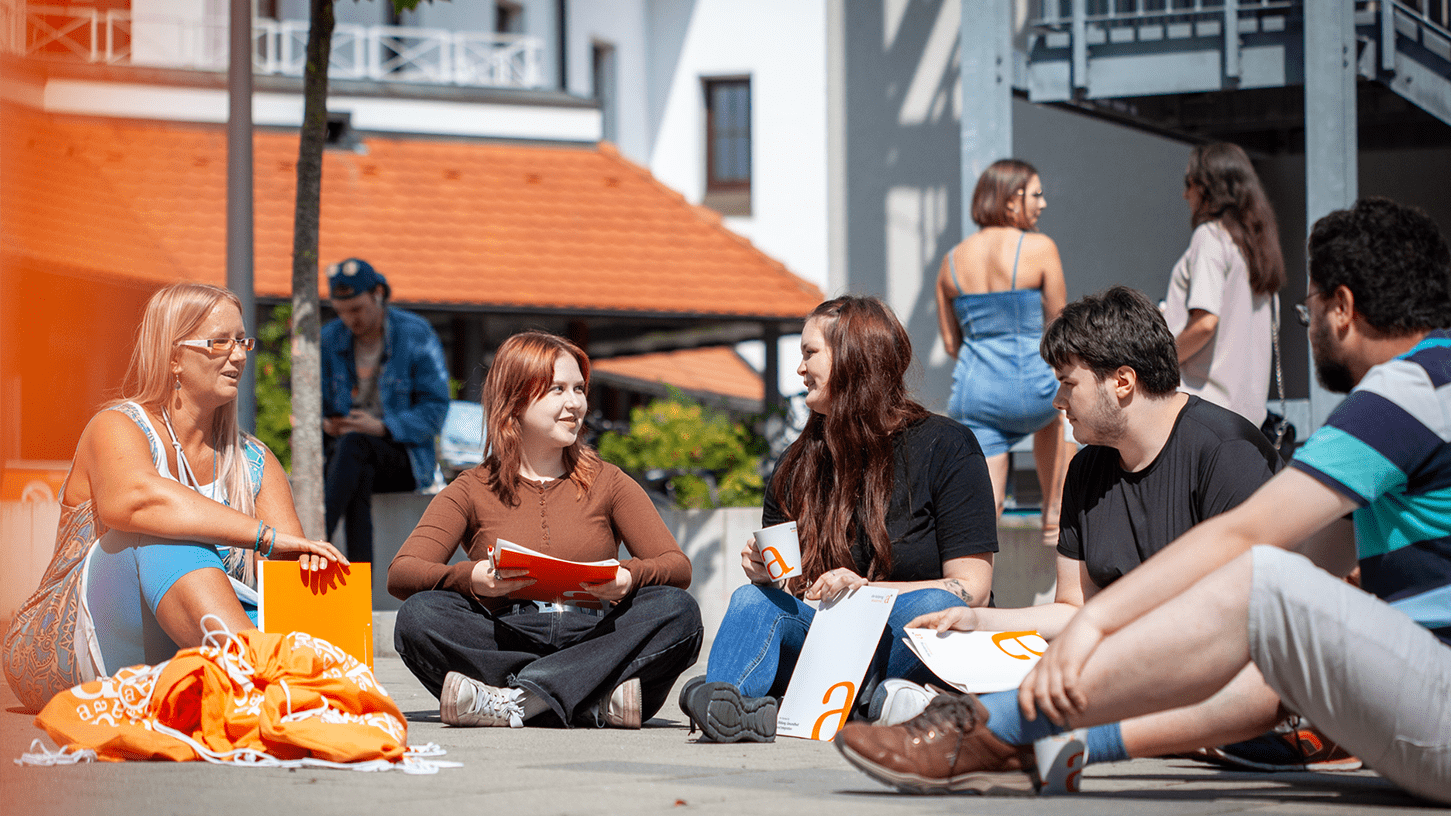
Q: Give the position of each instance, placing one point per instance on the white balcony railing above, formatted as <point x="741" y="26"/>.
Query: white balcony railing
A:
<point x="383" y="53"/>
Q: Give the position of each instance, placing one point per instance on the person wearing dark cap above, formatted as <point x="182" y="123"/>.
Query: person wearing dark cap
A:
<point x="384" y="396"/>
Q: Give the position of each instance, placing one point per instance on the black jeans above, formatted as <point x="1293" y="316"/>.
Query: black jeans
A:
<point x="359" y="465"/>
<point x="570" y="660"/>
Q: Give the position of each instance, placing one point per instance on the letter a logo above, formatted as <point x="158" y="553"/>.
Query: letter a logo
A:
<point x="775" y="564"/>
<point x="845" y="709"/>
<point x="1016" y="637"/>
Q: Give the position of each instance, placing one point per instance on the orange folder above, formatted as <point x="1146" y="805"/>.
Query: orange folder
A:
<point x="335" y="604"/>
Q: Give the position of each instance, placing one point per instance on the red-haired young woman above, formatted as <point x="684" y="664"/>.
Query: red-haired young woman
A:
<point x="497" y="661"/>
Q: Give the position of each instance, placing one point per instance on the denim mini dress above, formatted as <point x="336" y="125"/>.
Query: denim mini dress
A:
<point x="1001" y="387"/>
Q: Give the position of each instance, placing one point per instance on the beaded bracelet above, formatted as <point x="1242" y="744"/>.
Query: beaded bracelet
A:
<point x="271" y="544"/>
<point x="257" y="545"/>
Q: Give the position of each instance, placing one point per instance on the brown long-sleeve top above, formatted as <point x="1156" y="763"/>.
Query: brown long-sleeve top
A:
<point x="551" y="517"/>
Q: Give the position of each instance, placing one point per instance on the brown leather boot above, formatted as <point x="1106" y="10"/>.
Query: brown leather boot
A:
<point x="945" y="749"/>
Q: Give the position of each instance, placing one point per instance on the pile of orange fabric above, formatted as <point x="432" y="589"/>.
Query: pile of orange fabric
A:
<point x="252" y="698"/>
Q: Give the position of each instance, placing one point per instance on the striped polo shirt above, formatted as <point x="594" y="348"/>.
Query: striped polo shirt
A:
<point x="1387" y="447"/>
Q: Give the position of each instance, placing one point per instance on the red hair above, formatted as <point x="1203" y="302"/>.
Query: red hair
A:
<point x="523" y="370"/>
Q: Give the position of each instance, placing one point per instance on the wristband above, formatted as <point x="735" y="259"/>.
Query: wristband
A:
<point x="257" y="545"/>
<point x="271" y="544"/>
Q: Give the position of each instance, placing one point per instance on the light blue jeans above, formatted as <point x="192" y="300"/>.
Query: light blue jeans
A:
<point x="764" y="628"/>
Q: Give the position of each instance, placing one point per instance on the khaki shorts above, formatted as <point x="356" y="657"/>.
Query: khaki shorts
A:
<point x="1371" y="678"/>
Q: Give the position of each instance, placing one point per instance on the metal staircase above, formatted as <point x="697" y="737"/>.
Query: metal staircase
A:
<point x="1407" y="48"/>
<point x="1106" y="49"/>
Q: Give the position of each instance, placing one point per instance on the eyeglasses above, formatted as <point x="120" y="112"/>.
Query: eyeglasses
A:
<point x="223" y="344"/>
<point x="1302" y="313"/>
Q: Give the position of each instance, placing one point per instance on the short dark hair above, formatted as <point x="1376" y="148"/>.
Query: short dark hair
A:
<point x="1116" y="327"/>
<point x="1392" y="258"/>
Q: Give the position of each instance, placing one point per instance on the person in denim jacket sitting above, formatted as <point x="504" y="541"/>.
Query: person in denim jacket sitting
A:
<point x="384" y="396"/>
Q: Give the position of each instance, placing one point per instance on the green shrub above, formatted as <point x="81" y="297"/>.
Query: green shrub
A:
<point x="274" y="384"/>
<point x="711" y="461"/>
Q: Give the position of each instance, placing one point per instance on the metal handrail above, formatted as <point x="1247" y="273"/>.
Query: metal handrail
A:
<point x="394" y="53"/>
<point x="1202" y="9"/>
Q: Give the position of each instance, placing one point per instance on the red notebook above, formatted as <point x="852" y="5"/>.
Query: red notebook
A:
<point x="332" y="604"/>
<point x="555" y="578"/>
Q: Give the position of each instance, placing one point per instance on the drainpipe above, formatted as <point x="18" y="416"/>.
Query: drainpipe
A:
<point x="560" y="13"/>
<point x="239" y="192"/>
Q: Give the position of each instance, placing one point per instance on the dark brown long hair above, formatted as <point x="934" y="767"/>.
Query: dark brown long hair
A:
<point x="995" y="189"/>
<point x="837" y="476"/>
<point x="1230" y="191"/>
<point x="523" y="370"/>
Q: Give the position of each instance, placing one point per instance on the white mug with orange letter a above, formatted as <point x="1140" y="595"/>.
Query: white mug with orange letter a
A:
<point x="780" y="550"/>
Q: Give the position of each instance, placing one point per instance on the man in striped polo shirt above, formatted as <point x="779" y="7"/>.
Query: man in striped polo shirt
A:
<point x="1371" y="668"/>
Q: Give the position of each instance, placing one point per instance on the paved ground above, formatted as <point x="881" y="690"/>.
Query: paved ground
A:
<point x="658" y="769"/>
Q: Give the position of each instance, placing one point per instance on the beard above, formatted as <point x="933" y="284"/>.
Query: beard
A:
<point x="1334" y="375"/>
<point x="1104" y="423"/>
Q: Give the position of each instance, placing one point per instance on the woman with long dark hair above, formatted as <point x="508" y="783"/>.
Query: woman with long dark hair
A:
<point x="610" y="657"/>
<point x="995" y="292"/>
<point x="882" y="492"/>
<point x="167" y="506"/>
<point x="1221" y="292"/>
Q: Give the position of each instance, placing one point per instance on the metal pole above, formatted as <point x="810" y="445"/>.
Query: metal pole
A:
<point x="771" y="376"/>
<point x="986" y="40"/>
<point x="1330" y="134"/>
<point x="239" y="191"/>
<point x="1231" y="40"/>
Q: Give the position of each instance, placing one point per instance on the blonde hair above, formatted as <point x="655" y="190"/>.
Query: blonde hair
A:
<point x="172" y="314"/>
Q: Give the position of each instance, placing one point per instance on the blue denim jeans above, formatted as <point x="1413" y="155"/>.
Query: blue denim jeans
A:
<point x="764" y="628"/>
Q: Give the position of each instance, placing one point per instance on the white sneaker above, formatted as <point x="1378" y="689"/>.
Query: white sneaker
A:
<point x="1060" y="762"/>
<point x="901" y="700"/>
<point x="467" y="702"/>
<point x="623" y="708"/>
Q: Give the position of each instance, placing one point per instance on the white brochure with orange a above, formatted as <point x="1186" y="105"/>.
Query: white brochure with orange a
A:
<point x="839" y="646"/>
<point x="978" y="662"/>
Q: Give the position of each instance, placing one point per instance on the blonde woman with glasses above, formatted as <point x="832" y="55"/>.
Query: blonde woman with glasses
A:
<point x="165" y="510"/>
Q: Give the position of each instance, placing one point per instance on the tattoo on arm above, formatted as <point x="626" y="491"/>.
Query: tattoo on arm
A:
<point x="956" y="588"/>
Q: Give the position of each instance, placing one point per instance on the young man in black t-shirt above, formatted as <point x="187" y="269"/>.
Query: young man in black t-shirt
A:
<point x="1156" y="463"/>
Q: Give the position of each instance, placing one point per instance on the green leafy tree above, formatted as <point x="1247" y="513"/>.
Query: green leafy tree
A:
<point x="274" y="380"/>
<point x="306" y="354"/>
<point x="708" y="460"/>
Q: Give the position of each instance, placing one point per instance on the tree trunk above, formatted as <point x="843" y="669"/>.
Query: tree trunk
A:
<point x="307" y="477"/>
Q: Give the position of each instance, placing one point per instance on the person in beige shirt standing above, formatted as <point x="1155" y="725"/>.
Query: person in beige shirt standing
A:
<point x="1221" y="292"/>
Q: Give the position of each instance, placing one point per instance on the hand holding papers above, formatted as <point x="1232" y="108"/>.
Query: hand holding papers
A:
<point x="978" y="662"/>
<point x="839" y="646"/>
<point x="555" y="579"/>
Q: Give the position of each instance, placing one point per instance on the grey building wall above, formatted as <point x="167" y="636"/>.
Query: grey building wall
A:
<point x="1115" y="194"/>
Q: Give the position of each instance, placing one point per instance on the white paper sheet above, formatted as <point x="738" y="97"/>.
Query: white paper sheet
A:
<point x="978" y="662"/>
<point x="838" y="649"/>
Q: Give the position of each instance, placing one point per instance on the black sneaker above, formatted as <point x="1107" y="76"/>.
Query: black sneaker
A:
<point x="723" y="715"/>
<point x="1300" y="747"/>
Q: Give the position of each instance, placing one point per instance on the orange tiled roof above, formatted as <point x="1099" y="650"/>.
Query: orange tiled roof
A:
<point x="449" y="222"/>
<point x="712" y="370"/>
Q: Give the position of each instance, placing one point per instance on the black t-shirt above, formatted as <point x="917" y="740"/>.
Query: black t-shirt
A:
<point x="942" y="502"/>
<point x="1114" y="520"/>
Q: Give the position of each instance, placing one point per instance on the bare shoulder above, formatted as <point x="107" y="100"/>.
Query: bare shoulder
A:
<point x="110" y="428"/>
<point x="1039" y="244"/>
